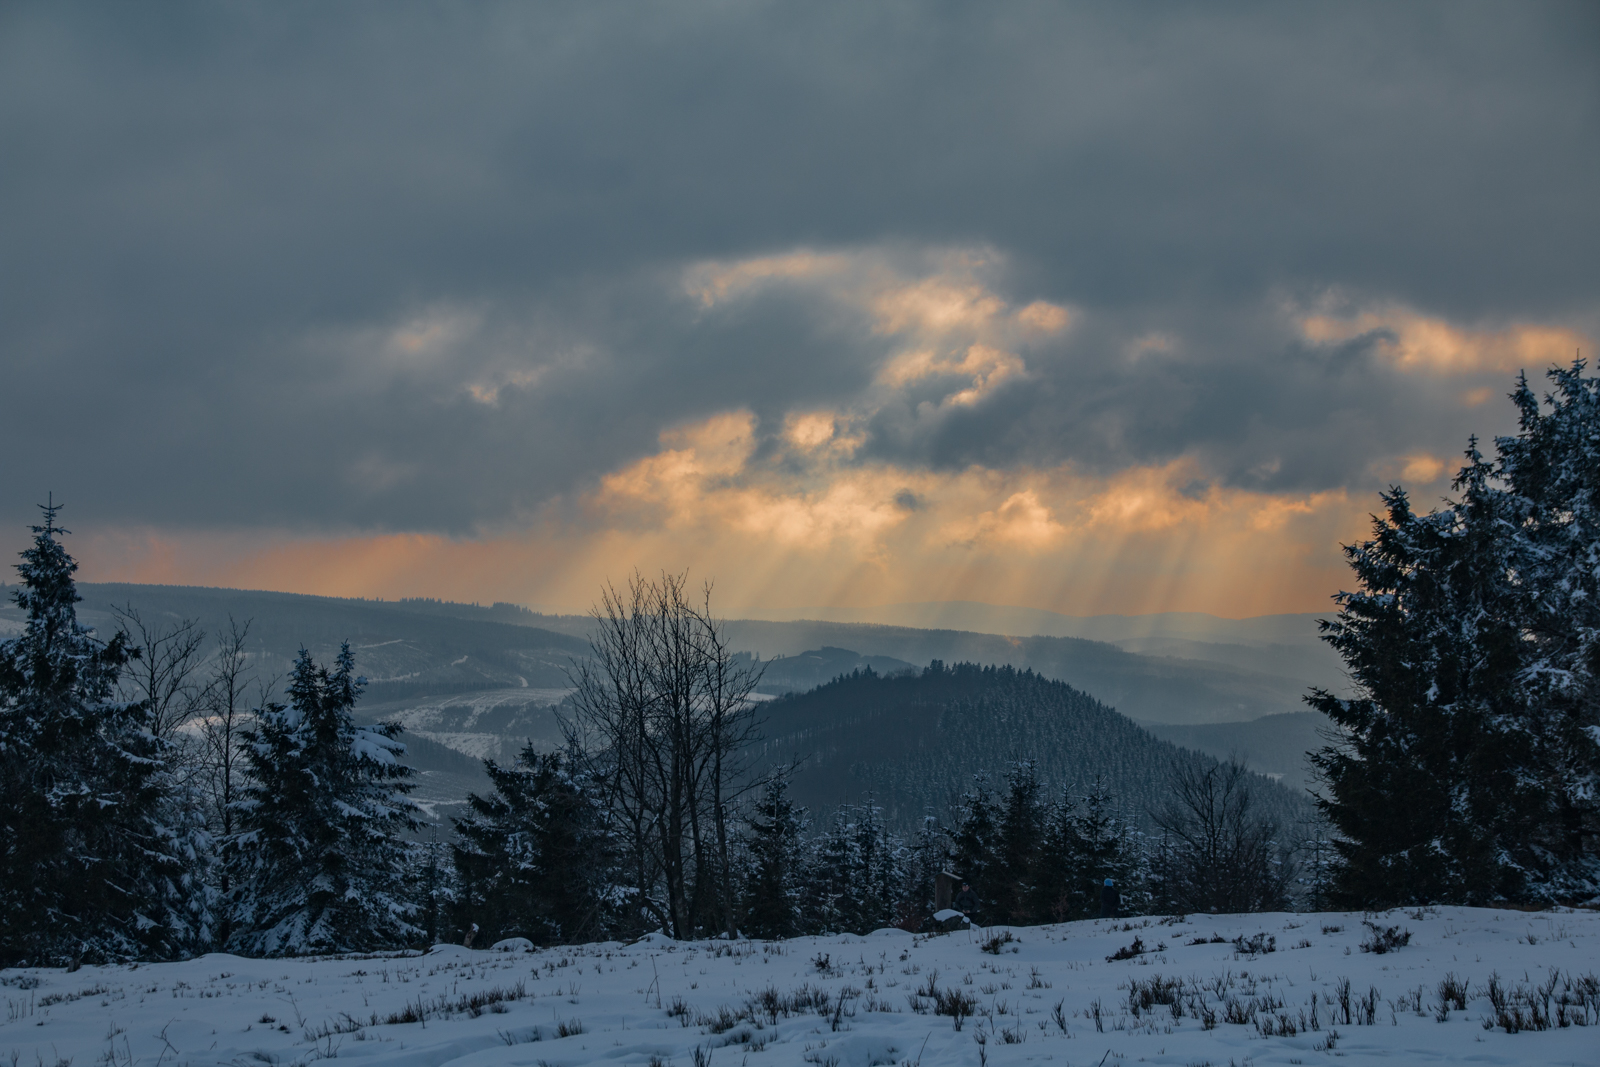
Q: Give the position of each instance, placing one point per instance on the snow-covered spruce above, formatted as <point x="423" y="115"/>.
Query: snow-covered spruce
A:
<point x="96" y="861"/>
<point x="1467" y="985"/>
<point x="318" y="865"/>
<point x="1471" y="771"/>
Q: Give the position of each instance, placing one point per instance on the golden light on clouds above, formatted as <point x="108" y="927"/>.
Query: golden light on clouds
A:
<point x="1421" y="344"/>
<point x="984" y="367"/>
<point x="796" y="513"/>
<point x="829" y="534"/>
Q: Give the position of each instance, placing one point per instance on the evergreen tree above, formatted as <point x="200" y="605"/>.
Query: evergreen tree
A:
<point x="855" y="875"/>
<point x="89" y="869"/>
<point x="1058" y="893"/>
<point x="827" y="902"/>
<point x="1552" y="468"/>
<point x="1084" y="843"/>
<point x="434" y="888"/>
<point x="927" y="855"/>
<point x="1471" y="762"/>
<point x="317" y="865"/>
<point x="538" y="858"/>
<point x="773" y="844"/>
<point x="976" y="848"/>
<point x="879" y="873"/>
<point x="1102" y="840"/>
<point x="1019" y="839"/>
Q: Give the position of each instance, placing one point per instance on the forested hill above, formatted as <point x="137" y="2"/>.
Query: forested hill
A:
<point x="913" y="741"/>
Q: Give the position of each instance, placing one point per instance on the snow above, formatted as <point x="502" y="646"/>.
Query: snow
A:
<point x="626" y="1004"/>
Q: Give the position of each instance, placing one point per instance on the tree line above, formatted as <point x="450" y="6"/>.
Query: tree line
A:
<point x="152" y="810"/>
<point x="144" y="814"/>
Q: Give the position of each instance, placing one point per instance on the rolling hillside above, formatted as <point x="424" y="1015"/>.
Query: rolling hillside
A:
<point x="469" y="681"/>
<point x="913" y="742"/>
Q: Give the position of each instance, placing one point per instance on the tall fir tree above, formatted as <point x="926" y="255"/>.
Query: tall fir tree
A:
<point x="926" y="856"/>
<point x="975" y="848"/>
<point x="879" y="875"/>
<point x="1084" y="843"/>
<point x="537" y="859"/>
<point x="1020" y="835"/>
<point x="1470" y="770"/>
<point x="854" y="875"/>
<point x="89" y="869"/>
<point x="318" y="864"/>
<point x="1552" y="468"/>
<point x="773" y="846"/>
<point x="827" y="902"/>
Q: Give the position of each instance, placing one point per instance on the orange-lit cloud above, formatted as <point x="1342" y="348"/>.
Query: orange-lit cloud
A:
<point x="1421" y="344"/>
<point x="793" y="509"/>
<point x="810" y="529"/>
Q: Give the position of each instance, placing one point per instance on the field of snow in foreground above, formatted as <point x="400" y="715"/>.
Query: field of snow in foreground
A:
<point x="1204" y="990"/>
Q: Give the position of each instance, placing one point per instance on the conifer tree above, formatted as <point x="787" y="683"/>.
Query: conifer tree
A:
<point x="1471" y="761"/>
<point x="1020" y="835"/>
<point x="88" y="868"/>
<point x="827" y="903"/>
<point x="1084" y="843"/>
<point x="1552" y="467"/>
<point x="1101" y="838"/>
<point x="537" y="859"/>
<point x="855" y="874"/>
<point x="976" y="847"/>
<point x="879" y="874"/>
<point x="771" y="896"/>
<point x="317" y="864"/>
<point x="434" y="888"/>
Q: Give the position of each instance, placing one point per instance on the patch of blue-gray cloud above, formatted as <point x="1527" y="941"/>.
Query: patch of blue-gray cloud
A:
<point x="216" y="221"/>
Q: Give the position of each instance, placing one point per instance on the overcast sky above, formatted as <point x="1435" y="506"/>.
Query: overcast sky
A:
<point x="1115" y="307"/>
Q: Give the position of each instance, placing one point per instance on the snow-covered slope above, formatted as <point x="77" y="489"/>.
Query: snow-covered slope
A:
<point x="854" y="1001"/>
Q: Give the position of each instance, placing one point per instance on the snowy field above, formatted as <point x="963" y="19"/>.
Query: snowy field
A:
<point x="1204" y="991"/>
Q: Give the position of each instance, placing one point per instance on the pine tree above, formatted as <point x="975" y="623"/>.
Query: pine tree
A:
<point x="1019" y="839"/>
<point x="827" y="902"/>
<point x="317" y="864"/>
<point x="434" y="887"/>
<point x="537" y="859"/>
<point x="1552" y="468"/>
<point x="879" y="874"/>
<point x="927" y="855"/>
<point x="1102" y="839"/>
<point x="1471" y="768"/>
<point x="773" y="843"/>
<point x="88" y="868"/>
<point x="976" y="848"/>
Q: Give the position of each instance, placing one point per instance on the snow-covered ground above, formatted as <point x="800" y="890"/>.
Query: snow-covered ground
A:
<point x="855" y="1001"/>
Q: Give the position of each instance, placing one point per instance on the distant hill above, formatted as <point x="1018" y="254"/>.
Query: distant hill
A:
<point x="1273" y="744"/>
<point x="1145" y="687"/>
<point x="1286" y="645"/>
<point x="424" y="649"/>
<point x="1153" y="688"/>
<point x="912" y="742"/>
<point x="809" y="669"/>
<point x="405" y="648"/>
<point x="471" y="681"/>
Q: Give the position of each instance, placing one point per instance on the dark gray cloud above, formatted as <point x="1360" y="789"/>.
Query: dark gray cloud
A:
<point x="214" y="219"/>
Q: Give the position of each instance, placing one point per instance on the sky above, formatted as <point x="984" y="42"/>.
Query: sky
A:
<point x="1084" y="307"/>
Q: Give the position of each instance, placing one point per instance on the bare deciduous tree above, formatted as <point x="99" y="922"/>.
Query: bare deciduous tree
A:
<point x="1218" y="855"/>
<point x="165" y="672"/>
<point x="227" y="714"/>
<point x="662" y="713"/>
